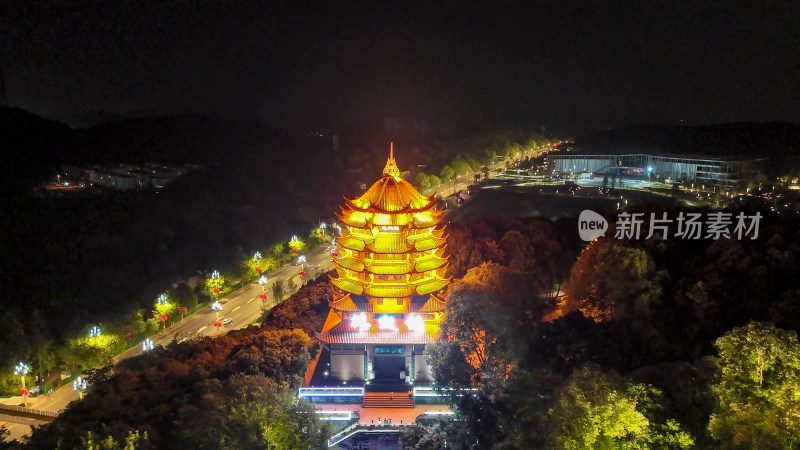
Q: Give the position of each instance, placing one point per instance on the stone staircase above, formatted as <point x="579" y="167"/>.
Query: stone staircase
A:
<point x="388" y="400"/>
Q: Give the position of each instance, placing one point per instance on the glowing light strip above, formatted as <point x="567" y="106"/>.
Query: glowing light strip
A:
<point x="365" y="428"/>
<point x="331" y="392"/>
<point x="335" y="415"/>
<point x="430" y="392"/>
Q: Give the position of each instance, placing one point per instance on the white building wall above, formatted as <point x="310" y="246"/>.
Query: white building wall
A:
<point x="423" y="371"/>
<point x="347" y="367"/>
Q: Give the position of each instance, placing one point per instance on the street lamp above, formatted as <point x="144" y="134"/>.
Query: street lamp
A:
<point x="79" y="385"/>
<point x="301" y="259"/>
<point x="216" y="283"/>
<point x="21" y="370"/>
<point x="263" y="282"/>
<point x="217" y="307"/>
<point x="323" y="225"/>
<point x="94" y="331"/>
<point x="257" y="259"/>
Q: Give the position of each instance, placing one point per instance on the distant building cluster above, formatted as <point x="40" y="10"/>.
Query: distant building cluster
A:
<point x="124" y="177"/>
<point x="724" y="170"/>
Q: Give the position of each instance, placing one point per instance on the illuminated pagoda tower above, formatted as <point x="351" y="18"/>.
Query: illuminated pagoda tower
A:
<point x="391" y="267"/>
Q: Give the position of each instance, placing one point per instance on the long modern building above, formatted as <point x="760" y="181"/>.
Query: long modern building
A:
<point x="723" y="170"/>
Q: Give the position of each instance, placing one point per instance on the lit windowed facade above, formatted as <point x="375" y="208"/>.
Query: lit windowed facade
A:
<point x="390" y="262"/>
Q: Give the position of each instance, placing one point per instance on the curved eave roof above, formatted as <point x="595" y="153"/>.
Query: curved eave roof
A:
<point x="352" y="244"/>
<point x="430" y="286"/>
<point x="374" y="290"/>
<point x="347" y="285"/>
<point x="428" y="244"/>
<point x="348" y="262"/>
<point x="391" y="195"/>
<point x="430" y="264"/>
<point x="346" y="219"/>
<point x="434" y="233"/>
<point x="345" y="303"/>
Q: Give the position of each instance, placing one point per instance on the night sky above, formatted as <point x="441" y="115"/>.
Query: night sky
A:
<point x="585" y="65"/>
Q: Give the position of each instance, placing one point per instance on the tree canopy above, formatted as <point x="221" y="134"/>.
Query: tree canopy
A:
<point x="757" y="388"/>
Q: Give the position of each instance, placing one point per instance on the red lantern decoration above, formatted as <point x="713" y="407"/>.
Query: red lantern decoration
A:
<point x="258" y="269"/>
<point x="294" y="250"/>
<point x="302" y="273"/>
<point x="334" y="254"/>
<point x="263" y="296"/>
<point x="182" y="310"/>
<point x="216" y="290"/>
<point x="217" y="324"/>
<point x="164" y="318"/>
<point x="23" y="391"/>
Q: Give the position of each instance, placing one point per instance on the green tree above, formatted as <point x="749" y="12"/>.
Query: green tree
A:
<point x="43" y="357"/>
<point x="184" y="295"/>
<point x="318" y="237"/>
<point x="277" y="251"/>
<point x="165" y="308"/>
<point x="600" y="410"/>
<point x="473" y="164"/>
<point x="486" y="311"/>
<point x="422" y="181"/>
<point x="297" y="244"/>
<point x="610" y="280"/>
<point x="213" y="285"/>
<point x="264" y="414"/>
<point x="757" y="388"/>
<point x="133" y="441"/>
<point x="460" y="167"/>
<point x="435" y="181"/>
<point x="447" y="173"/>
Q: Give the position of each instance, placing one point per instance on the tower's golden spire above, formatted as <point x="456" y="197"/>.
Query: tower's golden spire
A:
<point x="391" y="169"/>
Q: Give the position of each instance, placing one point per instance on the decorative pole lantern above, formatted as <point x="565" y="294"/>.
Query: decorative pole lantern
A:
<point x="257" y="258"/>
<point x="217" y="307"/>
<point x="216" y="283"/>
<point x="79" y="385"/>
<point x="21" y="370"/>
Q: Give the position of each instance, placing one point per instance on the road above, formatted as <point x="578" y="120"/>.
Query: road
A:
<point x="243" y="307"/>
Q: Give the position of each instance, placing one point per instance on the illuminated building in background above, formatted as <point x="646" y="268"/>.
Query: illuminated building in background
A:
<point x="390" y="262"/>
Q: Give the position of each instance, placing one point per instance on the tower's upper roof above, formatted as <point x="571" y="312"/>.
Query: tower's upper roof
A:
<point x="392" y="193"/>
